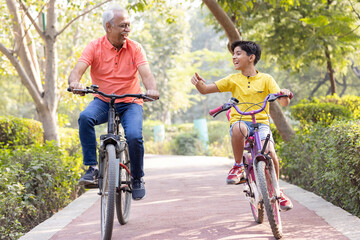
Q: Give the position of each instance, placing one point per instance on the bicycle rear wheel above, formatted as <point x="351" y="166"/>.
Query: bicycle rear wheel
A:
<point x="123" y="193"/>
<point x="267" y="187"/>
<point x="257" y="207"/>
<point x="108" y="192"/>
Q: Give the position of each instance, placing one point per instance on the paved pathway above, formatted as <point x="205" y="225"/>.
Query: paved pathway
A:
<point x="187" y="198"/>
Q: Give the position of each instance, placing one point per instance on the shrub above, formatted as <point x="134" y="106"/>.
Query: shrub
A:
<point x="19" y="131"/>
<point x="325" y="160"/>
<point x="350" y="102"/>
<point x="187" y="143"/>
<point x="148" y="129"/>
<point x="219" y="139"/>
<point x="36" y="182"/>
<point x="162" y="148"/>
<point x="322" y="113"/>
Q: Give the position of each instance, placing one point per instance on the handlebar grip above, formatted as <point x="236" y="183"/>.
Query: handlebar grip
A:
<point x="69" y="89"/>
<point x="291" y="95"/>
<point x="213" y="111"/>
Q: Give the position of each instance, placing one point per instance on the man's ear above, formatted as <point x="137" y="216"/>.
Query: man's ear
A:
<point x="108" y="25"/>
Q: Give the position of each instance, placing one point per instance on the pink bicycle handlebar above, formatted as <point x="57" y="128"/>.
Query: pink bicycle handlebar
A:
<point x="214" y="111"/>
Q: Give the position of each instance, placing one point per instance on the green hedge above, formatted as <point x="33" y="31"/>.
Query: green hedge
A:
<point x="326" y="161"/>
<point x="323" y="113"/>
<point x="326" y="110"/>
<point x="37" y="179"/>
<point x="19" y="131"/>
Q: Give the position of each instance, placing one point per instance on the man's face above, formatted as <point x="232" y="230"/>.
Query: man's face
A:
<point x="119" y="28"/>
<point x="240" y="59"/>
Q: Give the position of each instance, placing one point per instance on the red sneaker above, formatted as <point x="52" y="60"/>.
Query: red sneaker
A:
<point x="236" y="175"/>
<point x="285" y="203"/>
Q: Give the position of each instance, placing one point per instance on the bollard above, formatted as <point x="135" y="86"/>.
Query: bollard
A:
<point x="159" y="133"/>
<point x="201" y="126"/>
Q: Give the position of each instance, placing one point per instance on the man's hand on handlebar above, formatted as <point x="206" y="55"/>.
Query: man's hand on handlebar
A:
<point x="154" y="94"/>
<point x="76" y="85"/>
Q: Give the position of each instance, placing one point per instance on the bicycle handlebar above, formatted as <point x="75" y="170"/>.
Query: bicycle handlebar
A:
<point x="233" y="102"/>
<point x="94" y="89"/>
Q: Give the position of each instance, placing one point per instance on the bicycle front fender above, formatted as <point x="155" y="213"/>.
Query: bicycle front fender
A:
<point x="110" y="139"/>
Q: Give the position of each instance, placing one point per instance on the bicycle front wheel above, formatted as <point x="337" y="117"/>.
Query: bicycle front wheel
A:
<point x="123" y="193"/>
<point x="257" y="206"/>
<point x="108" y="192"/>
<point x="267" y="187"/>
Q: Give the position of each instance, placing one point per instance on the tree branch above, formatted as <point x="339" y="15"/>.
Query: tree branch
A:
<point x="352" y="6"/>
<point x="32" y="20"/>
<point x="23" y="75"/>
<point x="318" y="85"/>
<point x="230" y="30"/>
<point x="355" y="68"/>
<point x="84" y="13"/>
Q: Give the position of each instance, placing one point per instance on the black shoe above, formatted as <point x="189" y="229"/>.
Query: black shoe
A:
<point x="90" y="177"/>
<point x="138" y="189"/>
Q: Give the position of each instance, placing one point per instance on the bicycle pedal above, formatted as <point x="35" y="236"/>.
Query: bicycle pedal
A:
<point x="91" y="186"/>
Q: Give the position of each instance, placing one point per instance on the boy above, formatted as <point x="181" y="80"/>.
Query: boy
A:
<point x="248" y="86"/>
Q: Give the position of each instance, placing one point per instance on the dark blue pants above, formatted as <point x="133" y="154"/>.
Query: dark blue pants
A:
<point x="131" y="117"/>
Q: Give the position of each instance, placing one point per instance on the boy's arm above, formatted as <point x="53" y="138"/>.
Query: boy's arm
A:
<point x="284" y="101"/>
<point x="202" y="87"/>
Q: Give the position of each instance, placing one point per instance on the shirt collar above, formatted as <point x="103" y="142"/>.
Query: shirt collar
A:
<point x="110" y="46"/>
<point x="253" y="77"/>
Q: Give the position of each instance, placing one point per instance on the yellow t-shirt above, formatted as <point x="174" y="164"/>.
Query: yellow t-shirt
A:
<point x="249" y="90"/>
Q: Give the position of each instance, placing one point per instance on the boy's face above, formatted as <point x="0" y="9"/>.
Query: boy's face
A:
<point x="241" y="60"/>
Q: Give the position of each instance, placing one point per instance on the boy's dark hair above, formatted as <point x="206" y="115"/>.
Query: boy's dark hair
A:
<point x="249" y="47"/>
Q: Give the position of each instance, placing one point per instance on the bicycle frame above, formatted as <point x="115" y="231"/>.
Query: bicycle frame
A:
<point x="113" y="136"/>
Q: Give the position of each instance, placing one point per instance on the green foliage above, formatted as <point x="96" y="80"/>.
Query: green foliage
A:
<point x="327" y="109"/>
<point x="349" y="101"/>
<point x="323" y="113"/>
<point x="187" y="143"/>
<point x="219" y="139"/>
<point x="37" y="181"/>
<point x="19" y="131"/>
<point x="294" y="36"/>
<point x="325" y="160"/>
<point x="148" y="129"/>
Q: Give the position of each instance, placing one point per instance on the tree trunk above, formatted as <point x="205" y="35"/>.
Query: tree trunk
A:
<point x="330" y="71"/>
<point x="281" y="123"/>
<point x="24" y="59"/>
<point x="49" y="123"/>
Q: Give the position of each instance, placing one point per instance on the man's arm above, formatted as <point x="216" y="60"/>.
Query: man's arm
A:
<point x="148" y="81"/>
<point x="202" y="87"/>
<point x="75" y="76"/>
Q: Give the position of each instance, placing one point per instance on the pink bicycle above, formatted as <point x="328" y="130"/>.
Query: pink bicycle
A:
<point x="261" y="187"/>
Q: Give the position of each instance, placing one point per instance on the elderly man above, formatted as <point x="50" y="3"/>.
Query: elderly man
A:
<point x="115" y="62"/>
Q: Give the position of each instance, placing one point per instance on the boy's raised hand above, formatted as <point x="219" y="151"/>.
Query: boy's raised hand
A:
<point x="196" y="79"/>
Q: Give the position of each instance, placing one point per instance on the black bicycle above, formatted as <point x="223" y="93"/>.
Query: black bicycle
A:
<point x="114" y="179"/>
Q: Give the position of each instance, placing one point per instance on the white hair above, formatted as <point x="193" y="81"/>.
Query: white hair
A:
<point x="108" y="15"/>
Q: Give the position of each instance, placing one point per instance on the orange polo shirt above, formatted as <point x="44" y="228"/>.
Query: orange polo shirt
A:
<point x="112" y="70"/>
